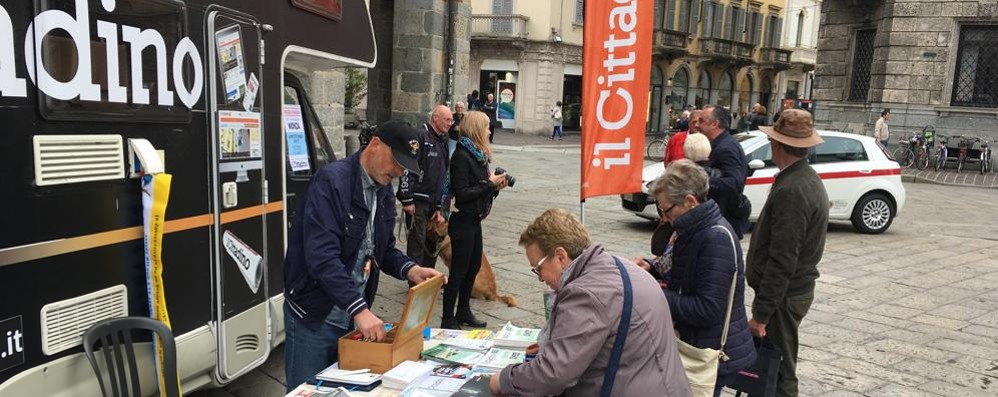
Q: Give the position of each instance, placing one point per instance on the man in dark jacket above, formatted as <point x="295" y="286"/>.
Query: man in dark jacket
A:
<point x="489" y="107"/>
<point x="788" y="242"/>
<point x="727" y="157"/>
<point x="420" y="195"/>
<point x="339" y="242"/>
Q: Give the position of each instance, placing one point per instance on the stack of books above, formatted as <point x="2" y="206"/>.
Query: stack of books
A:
<point x="479" y="339"/>
<point x="406" y="373"/>
<point x="453" y="355"/>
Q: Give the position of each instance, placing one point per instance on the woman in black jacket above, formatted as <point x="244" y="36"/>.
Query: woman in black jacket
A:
<point x="705" y="258"/>
<point x="473" y="188"/>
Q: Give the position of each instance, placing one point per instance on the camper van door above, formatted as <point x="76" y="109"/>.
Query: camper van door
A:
<point x="241" y="312"/>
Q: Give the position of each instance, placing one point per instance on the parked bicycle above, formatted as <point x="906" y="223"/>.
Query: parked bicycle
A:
<point x="655" y="149"/>
<point x="910" y="149"/>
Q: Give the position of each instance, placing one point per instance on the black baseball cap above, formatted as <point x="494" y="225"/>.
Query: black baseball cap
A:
<point x="404" y="141"/>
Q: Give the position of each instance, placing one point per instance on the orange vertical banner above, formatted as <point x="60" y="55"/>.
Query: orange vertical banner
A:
<point x="616" y="67"/>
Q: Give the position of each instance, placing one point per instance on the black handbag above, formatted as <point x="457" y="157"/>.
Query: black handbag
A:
<point x="761" y="377"/>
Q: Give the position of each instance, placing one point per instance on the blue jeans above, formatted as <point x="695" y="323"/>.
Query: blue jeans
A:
<point x="886" y="142"/>
<point x="308" y="348"/>
<point x="557" y="132"/>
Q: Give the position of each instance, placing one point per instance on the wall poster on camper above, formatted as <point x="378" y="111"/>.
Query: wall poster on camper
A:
<point x="239" y="134"/>
<point x="294" y="132"/>
<point x="228" y="42"/>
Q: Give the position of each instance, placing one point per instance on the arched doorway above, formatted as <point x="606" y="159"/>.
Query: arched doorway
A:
<point x="680" y="89"/>
<point x="703" y="93"/>
<point x="725" y="90"/>
<point x="745" y="94"/>
<point x="655" y="90"/>
<point x="766" y="93"/>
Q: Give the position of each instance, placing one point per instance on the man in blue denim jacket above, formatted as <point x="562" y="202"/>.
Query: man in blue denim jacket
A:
<point x="338" y="245"/>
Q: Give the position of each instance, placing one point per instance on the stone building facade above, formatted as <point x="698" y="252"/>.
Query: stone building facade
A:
<point x="423" y="57"/>
<point x="729" y="53"/>
<point x="929" y="62"/>
<point x="528" y="53"/>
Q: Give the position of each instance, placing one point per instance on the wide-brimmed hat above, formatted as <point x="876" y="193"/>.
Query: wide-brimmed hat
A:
<point x="794" y="128"/>
<point x="404" y="141"/>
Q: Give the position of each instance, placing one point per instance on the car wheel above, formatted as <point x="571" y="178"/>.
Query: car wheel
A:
<point x="873" y="214"/>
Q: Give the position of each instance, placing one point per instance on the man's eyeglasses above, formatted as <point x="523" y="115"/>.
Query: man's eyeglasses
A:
<point x="536" y="269"/>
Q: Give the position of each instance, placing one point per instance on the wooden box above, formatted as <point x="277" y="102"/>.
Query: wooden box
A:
<point x="403" y="342"/>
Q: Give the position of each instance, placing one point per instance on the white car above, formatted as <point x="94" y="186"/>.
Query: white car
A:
<point x="862" y="180"/>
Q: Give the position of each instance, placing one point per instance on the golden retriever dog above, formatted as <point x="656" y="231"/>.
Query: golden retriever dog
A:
<point x="485" y="283"/>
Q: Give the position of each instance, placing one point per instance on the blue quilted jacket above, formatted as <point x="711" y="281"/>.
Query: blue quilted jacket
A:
<point x="702" y="267"/>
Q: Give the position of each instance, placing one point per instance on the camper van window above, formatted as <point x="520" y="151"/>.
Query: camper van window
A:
<point x="320" y="152"/>
<point x="131" y="25"/>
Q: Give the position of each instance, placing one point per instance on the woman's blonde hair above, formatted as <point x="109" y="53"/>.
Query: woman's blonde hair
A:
<point x="696" y="148"/>
<point x="556" y="228"/>
<point x="475" y="125"/>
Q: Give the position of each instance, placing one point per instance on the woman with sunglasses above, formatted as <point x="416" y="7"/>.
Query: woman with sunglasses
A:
<point x="706" y="263"/>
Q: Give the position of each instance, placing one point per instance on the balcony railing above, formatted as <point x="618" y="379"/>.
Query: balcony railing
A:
<point x="499" y="26"/>
<point x="726" y="48"/>
<point x="775" y="55"/>
<point x="671" y="40"/>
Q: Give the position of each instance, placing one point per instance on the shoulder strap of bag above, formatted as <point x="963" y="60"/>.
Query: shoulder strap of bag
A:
<point x="618" y="343"/>
<point x="731" y="293"/>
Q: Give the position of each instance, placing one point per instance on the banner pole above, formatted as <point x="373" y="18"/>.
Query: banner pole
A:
<point x="583" y="217"/>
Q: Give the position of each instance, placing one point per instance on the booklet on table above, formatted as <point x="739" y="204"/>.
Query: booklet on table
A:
<point x="516" y="337"/>
<point x="498" y="358"/>
<point x="454" y="355"/>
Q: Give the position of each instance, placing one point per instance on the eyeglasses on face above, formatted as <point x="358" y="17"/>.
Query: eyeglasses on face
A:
<point x="536" y="269"/>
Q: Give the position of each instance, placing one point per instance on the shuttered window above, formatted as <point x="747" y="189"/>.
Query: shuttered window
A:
<point x="580" y="11"/>
<point x="670" y="14"/>
<point x="739" y="25"/>
<point x="755" y="27"/>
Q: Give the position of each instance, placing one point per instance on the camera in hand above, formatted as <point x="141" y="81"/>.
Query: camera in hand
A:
<point x="510" y="180"/>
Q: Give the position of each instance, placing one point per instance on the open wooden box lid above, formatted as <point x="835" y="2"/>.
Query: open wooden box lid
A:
<point x="418" y="309"/>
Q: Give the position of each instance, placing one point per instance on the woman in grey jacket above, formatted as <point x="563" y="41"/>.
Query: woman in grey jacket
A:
<point x="584" y="320"/>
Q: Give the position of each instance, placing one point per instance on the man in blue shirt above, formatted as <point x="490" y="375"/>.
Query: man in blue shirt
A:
<point x="338" y="245"/>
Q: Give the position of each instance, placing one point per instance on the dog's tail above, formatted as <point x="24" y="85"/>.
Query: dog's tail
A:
<point x="508" y="300"/>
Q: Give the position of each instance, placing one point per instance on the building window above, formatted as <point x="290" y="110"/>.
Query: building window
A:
<point x="773" y="34"/>
<point x="793" y="89"/>
<point x="580" y="11"/>
<point x="703" y="96"/>
<point x="976" y="80"/>
<point x="755" y="27"/>
<point x="800" y="27"/>
<point x="862" y="61"/>
<point x="689" y="15"/>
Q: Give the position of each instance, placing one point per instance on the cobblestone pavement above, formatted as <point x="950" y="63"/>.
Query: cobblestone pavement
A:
<point x="912" y="312"/>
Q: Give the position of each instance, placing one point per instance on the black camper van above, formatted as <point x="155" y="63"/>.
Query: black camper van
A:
<point x="95" y="95"/>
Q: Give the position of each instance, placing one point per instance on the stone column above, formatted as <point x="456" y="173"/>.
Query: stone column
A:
<point x="419" y="63"/>
<point x="326" y="90"/>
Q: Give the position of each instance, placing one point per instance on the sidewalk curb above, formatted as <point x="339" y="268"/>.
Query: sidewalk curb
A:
<point x="561" y="149"/>
<point x="910" y="178"/>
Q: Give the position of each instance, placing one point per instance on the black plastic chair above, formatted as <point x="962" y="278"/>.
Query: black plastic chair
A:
<point x="115" y="337"/>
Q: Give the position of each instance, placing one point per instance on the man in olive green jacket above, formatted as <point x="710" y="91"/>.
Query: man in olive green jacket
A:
<point x="788" y="242"/>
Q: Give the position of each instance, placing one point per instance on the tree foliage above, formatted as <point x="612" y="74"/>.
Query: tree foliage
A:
<point x="356" y="87"/>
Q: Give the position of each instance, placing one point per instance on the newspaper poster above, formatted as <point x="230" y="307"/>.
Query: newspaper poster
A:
<point x="228" y="42"/>
<point x="294" y="133"/>
<point x="252" y="87"/>
<point x="239" y="134"/>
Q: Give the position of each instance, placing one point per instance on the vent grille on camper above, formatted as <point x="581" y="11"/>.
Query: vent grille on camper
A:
<point x="64" y="322"/>
<point x="63" y="159"/>
<point x="248" y="342"/>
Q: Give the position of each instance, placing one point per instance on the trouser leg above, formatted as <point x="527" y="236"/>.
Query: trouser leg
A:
<point x="308" y="348"/>
<point x="474" y="265"/>
<point x="416" y="233"/>
<point x="462" y="247"/>
<point x="782" y="332"/>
